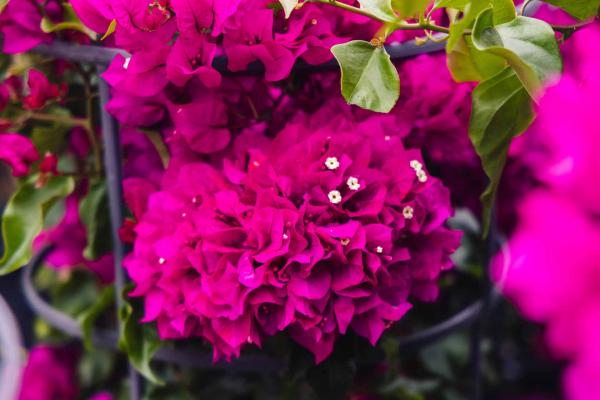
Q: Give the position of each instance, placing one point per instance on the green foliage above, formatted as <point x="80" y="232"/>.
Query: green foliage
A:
<point x="23" y="218"/>
<point x="70" y="22"/>
<point x="581" y="9"/>
<point x="93" y="211"/>
<point x="139" y="341"/>
<point x="504" y="11"/>
<point x="382" y="9"/>
<point x="410" y="8"/>
<point x="467" y="64"/>
<point x="502" y="109"/>
<point x="369" y="79"/>
<point x="3" y="4"/>
<point x="90" y="315"/>
<point x="458" y="28"/>
<point x="527" y="44"/>
<point x="454" y="4"/>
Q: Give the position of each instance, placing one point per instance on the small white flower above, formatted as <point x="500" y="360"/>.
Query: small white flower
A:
<point x="353" y="183"/>
<point x="332" y="163"/>
<point x="335" y="197"/>
<point x="416" y="165"/>
<point x="162" y="261"/>
<point x="285" y="236"/>
<point x="345" y="242"/>
<point x="126" y="62"/>
<point x="422" y="176"/>
<point x="408" y="212"/>
<point x="379" y="249"/>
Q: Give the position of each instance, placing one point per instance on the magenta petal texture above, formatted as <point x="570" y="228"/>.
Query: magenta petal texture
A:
<point x="49" y="374"/>
<point x="313" y="232"/>
<point x="552" y="267"/>
<point x="18" y="152"/>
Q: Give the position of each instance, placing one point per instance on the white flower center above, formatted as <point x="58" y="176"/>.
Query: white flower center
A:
<point x="408" y="212"/>
<point x="335" y="197"/>
<point x="353" y="183"/>
<point x="332" y="163"/>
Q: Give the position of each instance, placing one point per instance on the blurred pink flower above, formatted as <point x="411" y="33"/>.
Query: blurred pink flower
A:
<point x="49" y="374"/>
<point x="18" y="152"/>
<point x="552" y="269"/>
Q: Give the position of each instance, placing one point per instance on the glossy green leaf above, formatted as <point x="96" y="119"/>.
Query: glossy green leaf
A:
<point x="527" y="44"/>
<point x="502" y="109"/>
<point x="93" y="211"/>
<point x="580" y="9"/>
<point x="504" y="11"/>
<point x="454" y="4"/>
<point x="139" y="341"/>
<point x="467" y="64"/>
<point x="369" y="79"/>
<point x="23" y="218"/>
<point x="90" y="315"/>
<point x="382" y="9"/>
<point x="410" y="8"/>
<point x="457" y="29"/>
<point x="288" y="6"/>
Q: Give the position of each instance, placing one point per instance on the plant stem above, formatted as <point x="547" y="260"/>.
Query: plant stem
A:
<point x="572" y="28"/>
<point x="400" y="25"/>
<point x="70" y="121"/>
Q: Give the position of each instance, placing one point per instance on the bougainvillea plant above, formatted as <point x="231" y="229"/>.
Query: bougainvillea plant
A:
<point x="274" y="203"/>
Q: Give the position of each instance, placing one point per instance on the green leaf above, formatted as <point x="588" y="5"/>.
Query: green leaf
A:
<point x="380" y="8"/>
<point x="457" y="29"/>
<point x="70" y="22"/>
<point x="139" y="341"/>
<point x="23" y="218"/>
<point x="93" y="211"/>
<point x="527" y="44"/>
<point x="504" y="11"/>
<point x="580" y="9"/>
<point x="502" y="109"/>
<point x="410" y="8"/>
<point x="467" y="64"/>
<point x="88" y="317"/>
<point x="3" y="4"/>
<point x="454" y="4"/>
<point x="369" y="79"/>
<point x="288" y="6"/>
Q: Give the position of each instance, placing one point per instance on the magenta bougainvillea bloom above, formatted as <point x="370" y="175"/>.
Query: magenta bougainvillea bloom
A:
<point x="40" y="91"/>
<point x="552" y="270"/>
<point x="20" y="25"/>
<point x="313" y="232"/>
<point x="18" y="152"/>
<point x="49" y="374"/>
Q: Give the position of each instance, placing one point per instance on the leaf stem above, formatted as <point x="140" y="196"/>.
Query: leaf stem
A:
<point x="397" y="26"/>
<point x="566" y="29"/>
